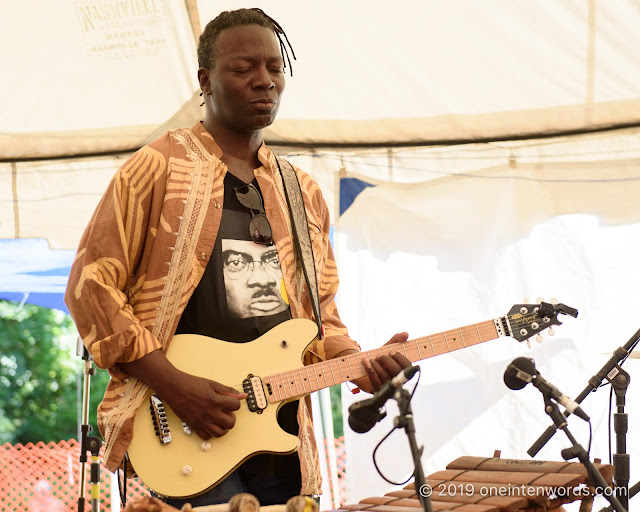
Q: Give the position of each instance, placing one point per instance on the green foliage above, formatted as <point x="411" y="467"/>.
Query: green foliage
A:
<point x="41" y="376"/>
<point x="335" y="394"/>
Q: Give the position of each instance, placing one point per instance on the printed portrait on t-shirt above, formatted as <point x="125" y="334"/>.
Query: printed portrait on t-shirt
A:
<point x="252" y="279"/>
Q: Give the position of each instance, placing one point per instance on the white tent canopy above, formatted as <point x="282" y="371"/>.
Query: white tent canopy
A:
<point x="498" y="143"/>
<point x="102" y="77"/>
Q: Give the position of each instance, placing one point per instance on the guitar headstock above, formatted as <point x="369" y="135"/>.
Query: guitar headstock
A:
<point x="528" y="320"/>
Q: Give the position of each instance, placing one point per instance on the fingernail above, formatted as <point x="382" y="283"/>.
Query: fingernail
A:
<point x="392" y="352"/>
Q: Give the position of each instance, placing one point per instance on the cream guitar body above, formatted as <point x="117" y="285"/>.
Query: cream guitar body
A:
<point x="187" y="465"/>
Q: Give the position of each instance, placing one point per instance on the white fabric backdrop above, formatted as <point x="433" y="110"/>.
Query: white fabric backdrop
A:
<point x="432" y="256"/>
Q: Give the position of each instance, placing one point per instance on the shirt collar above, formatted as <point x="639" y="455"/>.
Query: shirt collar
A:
<point x="265" y="155"/>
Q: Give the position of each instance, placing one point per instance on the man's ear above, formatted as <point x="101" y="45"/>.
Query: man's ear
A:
<point x="203" y="80"/>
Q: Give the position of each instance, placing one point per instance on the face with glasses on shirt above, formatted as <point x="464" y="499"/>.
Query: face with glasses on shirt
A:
<point x="252" y="278"/>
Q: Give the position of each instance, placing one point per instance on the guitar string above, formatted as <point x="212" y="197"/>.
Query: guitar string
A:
<point x="439" y="345"/>
<point x="484" y="332"/>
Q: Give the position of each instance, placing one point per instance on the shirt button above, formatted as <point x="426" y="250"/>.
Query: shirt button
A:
<point x="202" y="255"/>
<point x="217" y="204"/>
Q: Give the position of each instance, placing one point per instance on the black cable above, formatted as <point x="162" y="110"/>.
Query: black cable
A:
<point x="375" y="464"/>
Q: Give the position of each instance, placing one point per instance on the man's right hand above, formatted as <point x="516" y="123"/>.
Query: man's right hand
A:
<point x="205" y="405"/>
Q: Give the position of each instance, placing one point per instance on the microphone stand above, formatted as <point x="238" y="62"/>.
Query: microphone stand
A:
<point x="88" y="443"/>
<point x="598" y="481"/>
<point x="405" y="420"/>
<point x="619" y="379"/>
<point x="621" y="461"/>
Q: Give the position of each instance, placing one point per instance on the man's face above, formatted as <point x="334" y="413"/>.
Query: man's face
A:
<point x="252" y="279"/>
<point x="246" y="80"/>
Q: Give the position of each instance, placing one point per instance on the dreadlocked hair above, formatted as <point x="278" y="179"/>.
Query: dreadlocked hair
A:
<point x="230" y="19"/>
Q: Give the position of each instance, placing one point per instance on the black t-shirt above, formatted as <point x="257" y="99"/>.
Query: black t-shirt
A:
<point x="240" y="297"/>
<point x="242" y="305"/>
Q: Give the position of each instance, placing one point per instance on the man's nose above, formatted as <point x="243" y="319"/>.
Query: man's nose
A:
<point x="263" y="79"/>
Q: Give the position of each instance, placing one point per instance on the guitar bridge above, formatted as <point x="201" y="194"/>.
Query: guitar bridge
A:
<point x="256" y="399"/>
<point x="159" y="417"/>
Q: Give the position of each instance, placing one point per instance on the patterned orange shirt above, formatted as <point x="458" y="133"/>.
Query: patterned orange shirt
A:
<point x="147" y="246"/>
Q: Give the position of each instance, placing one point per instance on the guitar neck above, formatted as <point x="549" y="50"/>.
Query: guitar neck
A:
<point x="307" y="379"/>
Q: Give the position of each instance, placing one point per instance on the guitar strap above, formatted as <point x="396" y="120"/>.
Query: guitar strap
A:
<point x="301" y="238"/>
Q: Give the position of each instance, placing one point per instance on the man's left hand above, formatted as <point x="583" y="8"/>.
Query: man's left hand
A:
<point x="385" y="367"/>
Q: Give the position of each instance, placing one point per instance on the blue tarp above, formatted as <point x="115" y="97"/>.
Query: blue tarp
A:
<point x="32" y="272"/>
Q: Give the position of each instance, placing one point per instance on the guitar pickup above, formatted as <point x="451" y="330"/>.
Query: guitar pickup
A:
<point x="256" y="399"/>
<point x="159" y="417"/>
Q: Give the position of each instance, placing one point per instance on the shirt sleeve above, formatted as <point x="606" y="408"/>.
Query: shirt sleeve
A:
<point x="336" y="337"/>
<point x="102" y="280"/>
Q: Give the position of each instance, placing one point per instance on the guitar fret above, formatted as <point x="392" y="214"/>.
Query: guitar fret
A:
<point x="281" y="387"/>
<point x="317" y="380"/>
<point x="294" y="380"/>
<point x="468" y="337"/>
<point x="361" y="370"/>
<point x="302" y="380"/>
<point x="462" y="336"/>
<point x="332" y="374"/>
<point x="309" y="379"/>
<point x="404" y="348"/>
<point x="436" y="346"/>
<point x="454" y="338"/>
<point x="289" y="383"/>
<point x="275" y="388"/>
<point x="446" y="342"/>
<point x="350" y="370"/>
<point x="418" y="347"/>
<point x="325" y="367"/>
<point x="339" y="363"/>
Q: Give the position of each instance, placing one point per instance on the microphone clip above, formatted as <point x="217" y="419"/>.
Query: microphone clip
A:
<point x="365" y="414"/>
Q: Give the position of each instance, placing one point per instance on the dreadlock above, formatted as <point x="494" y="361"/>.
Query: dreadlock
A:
<point x="230" y="19"/>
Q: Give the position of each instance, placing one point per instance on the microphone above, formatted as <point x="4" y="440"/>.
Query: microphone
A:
<point x="365" y="414"/>
<point x="523" y="370"/>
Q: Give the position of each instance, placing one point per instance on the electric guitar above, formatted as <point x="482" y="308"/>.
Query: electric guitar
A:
<point x="175" y="462"/>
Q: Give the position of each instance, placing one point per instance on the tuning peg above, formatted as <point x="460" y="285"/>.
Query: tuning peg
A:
<point x="553" y="301"/>
<point x="539" y="338"/>
<point x="539" y="300"/>
<point x="528" y="343"/>
<point x="525" y="300"/>
<point x="551" y="331"/>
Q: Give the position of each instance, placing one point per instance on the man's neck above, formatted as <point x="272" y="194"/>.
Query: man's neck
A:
<point x="239" y="151"/>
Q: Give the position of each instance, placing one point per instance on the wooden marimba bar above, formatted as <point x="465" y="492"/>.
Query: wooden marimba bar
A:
<point x="479" y="484"/>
